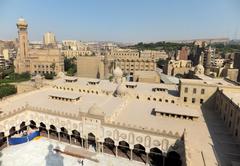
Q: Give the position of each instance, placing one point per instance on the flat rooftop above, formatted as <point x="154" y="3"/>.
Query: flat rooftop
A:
<point x="208" y="81"/>
<point x="110" y="86"/>
<point x="234" y="96"/>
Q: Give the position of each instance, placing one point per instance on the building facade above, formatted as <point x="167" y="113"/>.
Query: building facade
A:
<point x="42" y="61"/>
<point x="49" y="38"/>
<point x="175" y="67"/>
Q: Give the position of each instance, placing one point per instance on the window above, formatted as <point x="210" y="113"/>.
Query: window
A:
<point x="185" y="99"/>
<point x="202" y="91"/>
<point x="201" y="101"/>
<point x="194" y="90"/>
<point x="193" y="100"/>
<point x="186" y="90"/>
<point x="166" y="101"/>
<point x="229" y="124"/>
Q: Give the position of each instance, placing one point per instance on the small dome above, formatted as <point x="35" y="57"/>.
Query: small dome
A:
<point x="199" y="69"/>
<point x="121" y="90"/>
<point x="61" y="74"/>
<point x="95" y="110"/>
<point x="117" y="72"/>
<point x="38" y="76"/>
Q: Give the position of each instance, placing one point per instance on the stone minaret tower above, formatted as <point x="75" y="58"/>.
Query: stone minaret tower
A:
<point x="208" y="61"/>
<point x="22" y="62"/>
<point x="23" y="38"/>
<point x="106" y="66"/>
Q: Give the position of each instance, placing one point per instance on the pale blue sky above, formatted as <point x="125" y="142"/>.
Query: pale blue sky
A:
<point x="122" y="20"/>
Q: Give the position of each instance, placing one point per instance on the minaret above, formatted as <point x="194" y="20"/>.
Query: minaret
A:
<point x="22" y="37"/>
<point x="106" y="66"/>
<point x="208" y="61"/>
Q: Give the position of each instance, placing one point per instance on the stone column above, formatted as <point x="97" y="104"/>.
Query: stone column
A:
<point x="59" y="137"/>
<point x="7" y="142"/>
<point x="48" y="133"/>
<point x="163" y="156"/>
<point x="116" y="151"/>
<point x="82" y="142"/>
<point x="147" y="159"/>
<point x="130" y="154"/>
<point x="86" y="143"/>
<point x="102" y="148"/>
<point x="70" y="139"/>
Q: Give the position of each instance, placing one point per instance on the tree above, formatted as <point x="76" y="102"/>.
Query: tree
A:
<point x="6" y="90"/>
<point x="161" y="63"/>
<point x="49" y="76"/>
<point x="70" y="66"/>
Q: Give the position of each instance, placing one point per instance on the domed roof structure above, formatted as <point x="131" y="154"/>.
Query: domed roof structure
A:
<point x="117" y="72"/>
<point x="38" y="76"/>
<point x="199" y="69"/>
<point x="121" y="90"/>
<point x="61" y="74"/>
<point x="95" y="110"/>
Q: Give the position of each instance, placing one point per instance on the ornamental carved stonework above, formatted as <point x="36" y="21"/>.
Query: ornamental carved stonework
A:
<point x="52" y="121"/>
<point x="75" y="126"/>
<point x="123" y="136"/>
<point x="62" y="123"/>
<point x="108" y="133"/>
<point x="139" y="139"/>
<point x="41" y="118"/>
<point x="156" y="143"/>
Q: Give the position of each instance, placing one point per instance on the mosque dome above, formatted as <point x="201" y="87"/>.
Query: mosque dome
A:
<point x="38" y="76"/>
<point x="117" y="72"/>
<point x="61" y="75"/>
<point x="121" y="90"/>
<point x="96" y="110"/>
<point x="199" y="69"/>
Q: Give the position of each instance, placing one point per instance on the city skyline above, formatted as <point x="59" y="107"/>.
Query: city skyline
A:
<point x="123" y="21"/>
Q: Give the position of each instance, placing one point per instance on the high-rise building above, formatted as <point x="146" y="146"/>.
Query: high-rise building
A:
<point x="49" y="38"/>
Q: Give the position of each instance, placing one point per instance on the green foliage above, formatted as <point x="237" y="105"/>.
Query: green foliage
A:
<point x="161" y="63"/>
<point x="71" y="72"/>
<point x="49" y="76"/>
<point x="70" y="66"/>
<point x="15" y="77"/>
<point x="167" y="46"/>
<point x="6" y="90"/>
<point x="110" y="78"/>
<point x="226" y="48"/>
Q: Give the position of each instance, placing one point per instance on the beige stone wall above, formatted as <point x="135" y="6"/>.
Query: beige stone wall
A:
<point x="132" y="65"/>
<point x="76" y="53"/>
<point x="229" y="112"/>
<point x="174" y="67"/>
<point x="91" y="67"/>
<point x="200" y="92"/>
<point x="154" y="77"/>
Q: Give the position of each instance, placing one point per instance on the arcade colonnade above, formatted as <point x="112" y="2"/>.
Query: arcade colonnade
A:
<point x="87" y="137"/>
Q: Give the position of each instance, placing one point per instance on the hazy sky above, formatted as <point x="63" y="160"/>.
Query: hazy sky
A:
<point x="122" y="20"/>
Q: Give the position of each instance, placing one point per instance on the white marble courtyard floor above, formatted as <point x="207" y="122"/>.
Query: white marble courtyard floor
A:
<point x="39" y="153"/>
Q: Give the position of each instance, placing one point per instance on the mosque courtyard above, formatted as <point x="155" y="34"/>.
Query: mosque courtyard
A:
<point x="40" y="153"/>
